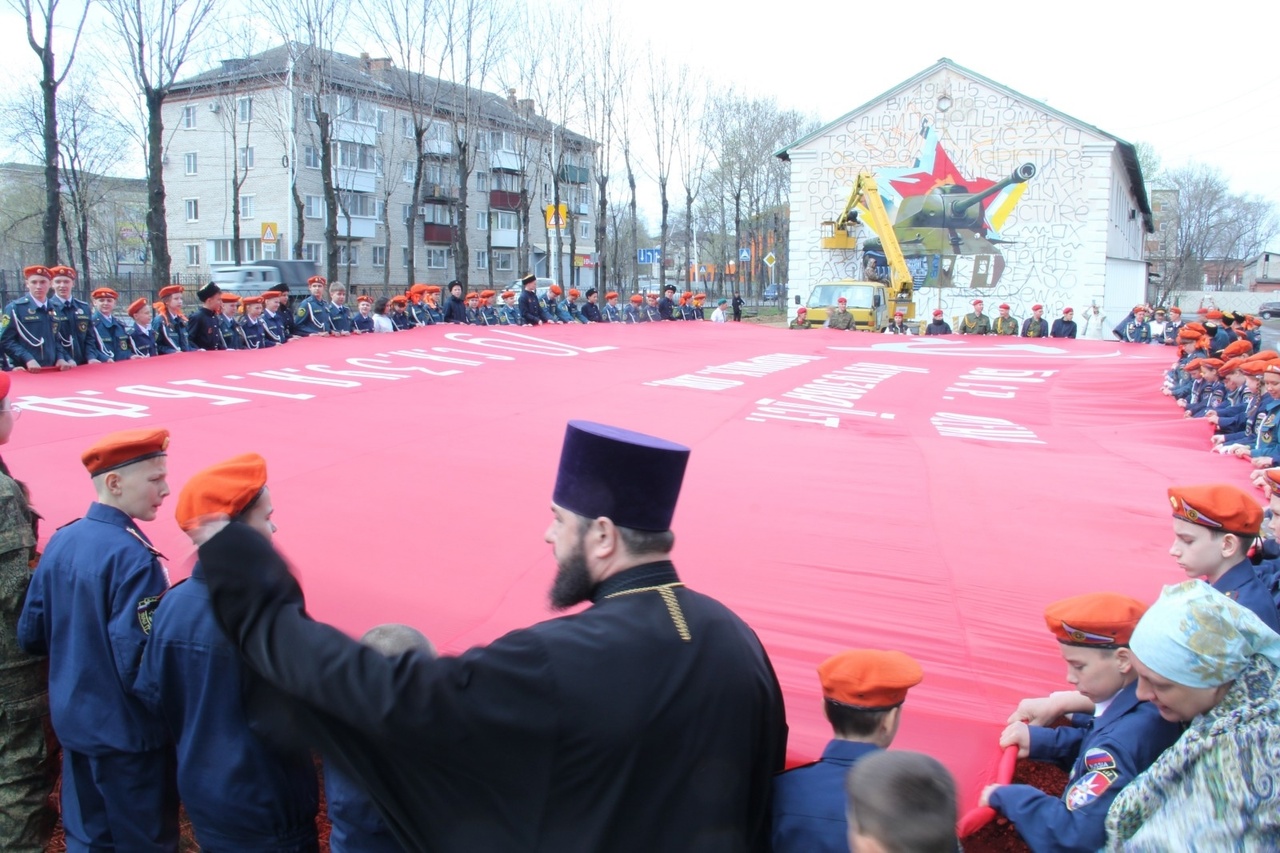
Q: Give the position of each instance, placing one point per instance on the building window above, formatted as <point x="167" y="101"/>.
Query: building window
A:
<point x="380" y="119"/>
<point x="244" y="109"/>
<point x="437" y="259"/>
<point x="407" y="171"/>
<point x="377" y="163"/>
<point x="312" y="252"/>
<point x="504" y="261"/>
<point x="406" y="212"/>
<point x="379" y="210"/>
<point x="482" y="222"/>
<point x="363" y="205"/>
<point x="348" y="255"/>
<point x="438" y="131"/>
<point x="437" y="214"/>
<point x="309" y="107"/>
<point x="313" y="207"/>
<point x="220" y="251"/>
<point x="404" y="256"/>
<point x="246" y="159"/>
<point x="482" y="181"/>
<point x="406" y="127"/>
<point x="546" y="190"/>
<point x="189" y="117"/>
<point x="311" y="157"/>
<point x="501" y="140"/>
<point x="193" y="209"/>
<point x="352" y="155"/>
<point x="505" y="220"/>
<point x="379" y="256"/>
<point x="482" y="259"/>
<point x="249" y="250"/>
<point x="246" y="207"/>
<point x="584" y="230"/>
<point x="193" y="254"/>
<point x="191" y="162"/>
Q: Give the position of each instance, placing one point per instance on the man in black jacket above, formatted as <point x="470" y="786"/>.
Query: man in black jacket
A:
<point x="203" y="329"/>
<point x="651" y="720"/>
<point x="530" y="311"/>
<point x="455" y="309"/>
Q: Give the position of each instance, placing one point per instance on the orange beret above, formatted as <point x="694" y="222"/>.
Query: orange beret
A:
<point x="399" y="300"/>
<point x="699" y="297"/>
<point x="1218" y="507"/>
<point x="508" y="294"/>
<point x="612" y="294"/>
<point x="688" y="294"/>
<point x="1230" y="365"/>
<point x="1214" y="363"/>
<point x="489" y="294"/>
<point x="63" y="271"/>
<point x="1237" y="348"/>
<point x="1193" y="364"/>
<point x="1195" y="327"/>
<point x="124" y="448"/>
<point x="227" y="488"/>
<point x="364" y="297"/>
<point x="472" y="295"/>
<point x="135" y="306"/>
<point x="1263" y="355"/>
<point x="636" y="299"/>
<point x="271" y="294"/>
<point x="253" y="300"/>
<point x="869" y="679"/>
<point x="1139" y="309"/>
<point x="316" y="279"/>
<point x="433" y="288"/>
<point x="1174" y="309"/>
<point x="105" y="293"/>
<point x="418" y="288"/>
<point x="574" y="292"/>
<point x="555" y="288"/>
<point x="1213" y="315"/>
<point x="1272" y="366"/>
<point x="170" y="290"/>
<point x="230" y="299"/>
<point x="1187" y="335"/>
<point x="1098" y="620"/>
<point x="27" y="272"/>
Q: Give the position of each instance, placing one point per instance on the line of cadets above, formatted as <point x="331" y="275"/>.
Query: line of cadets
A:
<point x="55" y="330"/>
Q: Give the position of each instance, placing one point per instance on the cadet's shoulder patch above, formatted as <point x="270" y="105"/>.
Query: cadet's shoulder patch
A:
<point x="1099" y="759"/>
<point x="302" y="311"/>
<point x="146" y="612"/>
<point x="1088" y="788"/>
<point x="4" y="320"/>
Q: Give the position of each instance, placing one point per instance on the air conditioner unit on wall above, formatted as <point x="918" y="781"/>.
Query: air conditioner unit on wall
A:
<point x="214" y="106"/>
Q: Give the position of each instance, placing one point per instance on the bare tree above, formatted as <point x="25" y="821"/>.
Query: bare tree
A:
<point x="666" y="92"/>
<point x="92" y="145"/>
<point x="692" y="154"/>
<point x="158" y="37"/>
<point x="603" y="93"/>
<point x="42" y="14"/>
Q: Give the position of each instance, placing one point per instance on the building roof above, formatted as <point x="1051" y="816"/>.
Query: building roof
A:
<point x="376" y="77"/>
<point x="1128" y="153"/>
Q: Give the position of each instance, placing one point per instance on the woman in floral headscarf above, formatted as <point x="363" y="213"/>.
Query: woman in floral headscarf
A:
<point x="1205" y="660"/>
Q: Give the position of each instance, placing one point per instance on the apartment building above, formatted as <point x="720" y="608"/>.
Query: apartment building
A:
<point x="243" y="149"/>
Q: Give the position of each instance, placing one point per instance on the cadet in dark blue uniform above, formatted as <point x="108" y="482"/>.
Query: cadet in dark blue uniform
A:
<point x="169" y="326"/>
<point x="141" y="342"/>
<point x="863" y="691"/>
<point x="455" y="310"/>
<point x="400" y="314"/>
<point x="550" y="304"/>
<point x="430" y="299"/>
<point x="356" y="825"/>
<point x="275" y="323"/>
<point x="486" y="314"/>
<point x="1214" y="527"/>
<point x="203" y="329"/>
<point x="252" y="330"/>
<point x="530" y="312"/>
<point x="1135" y="330"/>
<point x="591" y="308"/>
<point x="362" y="322"/>
<point x="417" y="309"/>
<point x="1172" y="327"/>
<point x="571" y="305"/>
<point x="89" y="609"/>
<point x="1104" y="752"/>
<point x="311" y="316"/>
<point x="666" y="307"/>
<point x="241" y="793"/>
<point x="229" y="321"/>
<point x="650" y="309"/>
<point x="339" y="311"/>
<point x="611" y="313"/>
<point x="508" y="311"/>
<point x="31" y="327"/>
<point x="687" y="311"/>
<point x="633" y="311"/>
<point x="473" y="309"/>
<point x="77" y="329"/>
<point x="109" y="334"/>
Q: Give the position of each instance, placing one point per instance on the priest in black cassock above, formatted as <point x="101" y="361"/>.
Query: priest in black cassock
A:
<point x="650" y="721"/>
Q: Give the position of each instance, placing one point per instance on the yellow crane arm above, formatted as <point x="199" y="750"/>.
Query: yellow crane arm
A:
<point x="866" y="197"/>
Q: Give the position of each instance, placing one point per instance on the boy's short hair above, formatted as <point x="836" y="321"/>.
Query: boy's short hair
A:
<point x="906" y="801"/>
<point x="337" y="286"/>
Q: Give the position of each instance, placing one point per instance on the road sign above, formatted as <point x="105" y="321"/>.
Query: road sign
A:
<point x="648" y="256"/>
<point x="770" y="260"/>
<point x="744" y="254"/>
<point x="557" y="216"/>
<point x="269" y="232"/>
<point x="702" y="270"/>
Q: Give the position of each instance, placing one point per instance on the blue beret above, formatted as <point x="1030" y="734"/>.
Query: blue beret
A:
<point x="628" y="477"/>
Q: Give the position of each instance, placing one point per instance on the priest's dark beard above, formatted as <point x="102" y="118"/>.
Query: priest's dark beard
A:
<point x="573" y="583"/>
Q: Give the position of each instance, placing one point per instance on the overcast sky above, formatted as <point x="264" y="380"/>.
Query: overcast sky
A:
<point x="1204" y="89"/>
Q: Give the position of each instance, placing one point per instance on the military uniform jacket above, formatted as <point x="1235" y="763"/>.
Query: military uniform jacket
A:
<point x="1004" y="326"/>
<point x="591" y="313"/>
<point x="938" y="327"/>
<point x="651" y="313"/>
<point x="230" y="331"/>
<point x="1033" y="328"/>
<point x="563" y="313"/>
<point x="1104" y="754"/>
<point x="549" y="307"/>
<point x="78" y="330"/>
<point x="843" y="321"/>
<point x="170" y="333"/>
<point x="575" y="312"/>
<point x="1171" y="330"/>
<point x="665" y="308"/>
<point x="1242" y="585"/>
<point x="418" y="314"/>
<point x="361" y="324"/>
<point x="455" y="310"/>
<point x="110" y="337"/>
<point x="22" y="675"/>
<point x="253" y="333"/>
<point x="89" y="609"/>
<point x="1267" y="429"/>
<point x="340" y="317"/>
<point x="401" y="321"/>
<point x="311" y="317"/>
<point x="1135" y="332"/>
<point x="204" y="331"/>
<point x="650" y="721"/>
<point x="529" y="310"/>
<point x="809" y="805"/>
<point x="611" y="313"/>
<point x="434" y="314"/>
<point x="632" y="314"/>
<point x="33" y="332"/>
<point x="240" y="792"/>
<point x="975" y="324"/>
<point x="687" y="313"/>
<point x="141" y="342"/>
<point x="1063" y="329"/>
<point x="509" y="315"/>
<point x="274" y="329"/>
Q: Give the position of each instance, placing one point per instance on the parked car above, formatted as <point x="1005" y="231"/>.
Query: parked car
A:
<point x="772" y="293"/>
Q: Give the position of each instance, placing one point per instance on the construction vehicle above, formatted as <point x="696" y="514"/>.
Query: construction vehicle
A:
<point x="871" y="299"/>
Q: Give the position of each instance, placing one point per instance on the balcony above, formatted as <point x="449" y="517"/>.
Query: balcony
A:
<point x="433" y="233"/>
<point x="439" y="193"/>
<point x="504" y="200"/>
<point x="437" y="147"/>
<point x="504" y="238"/>
<point x="361" y="226"/>
<point x="350" y="131"/>
<point x="355" y="180"/>
<point x="582" y="208"/>
<point x="575" y="175"/>
<point x="505" y="161"/>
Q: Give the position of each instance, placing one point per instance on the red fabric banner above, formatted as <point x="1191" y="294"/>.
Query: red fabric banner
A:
<point x="845" y="490"/>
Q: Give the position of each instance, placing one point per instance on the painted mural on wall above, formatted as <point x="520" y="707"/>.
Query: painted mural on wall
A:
<point x="989" y="197"/>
